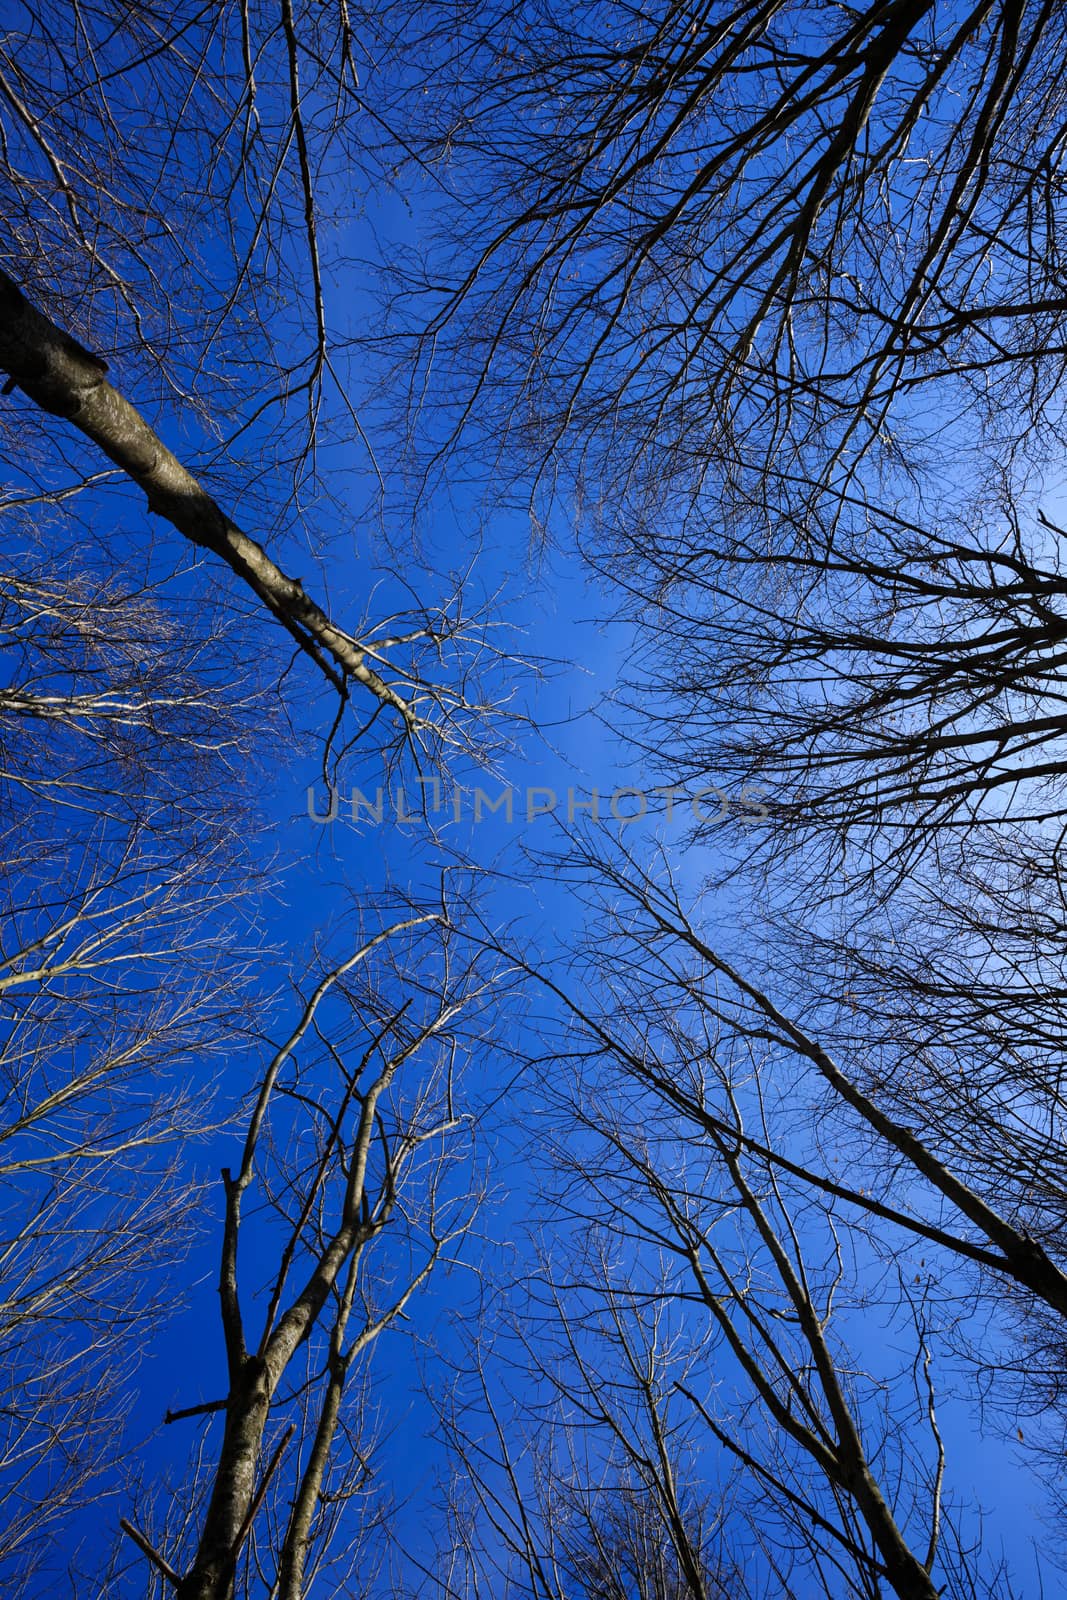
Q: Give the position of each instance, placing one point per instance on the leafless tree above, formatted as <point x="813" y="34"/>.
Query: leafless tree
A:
<point x="214" y="270"/>
<point x="358" y="1145"/>
<point x="112" y="984"/>
<point x="711" y="241"/>
<point x="124" y="760"/>
<point x="175" y="265"/>
<point x="576" y="1485"/>
<point x="731" y="1211"/>
<point x="738" y="249"/>
<point x="654" y="1429"/>
<point x="923" y="1142"/>
<point x="627" y="1553"/>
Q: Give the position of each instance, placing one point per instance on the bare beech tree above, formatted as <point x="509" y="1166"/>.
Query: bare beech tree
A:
<point x="737" y="243"/>
<point x="357" y="1135"/>
<point x="52" y="370"/>
<point x="660" y="1424"/>
<point x="899" y="1145"/>
<point x="123" y="733"/>
<point x="211" y="269"/>
<point x="786" y="259"/>
<point x="118" y="972"/>
<point x="731" y="1211"/>
<point x="579" y="1488"/>
<point x="1006" y="1233"/>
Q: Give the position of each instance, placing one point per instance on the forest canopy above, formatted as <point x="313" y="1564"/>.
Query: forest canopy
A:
<point x="533" y="611"/>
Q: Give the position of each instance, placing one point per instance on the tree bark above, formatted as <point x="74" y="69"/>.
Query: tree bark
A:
<point x="61" y="377"/>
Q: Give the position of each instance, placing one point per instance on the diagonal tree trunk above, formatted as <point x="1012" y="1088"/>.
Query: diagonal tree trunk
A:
<point x="61" y="377"/>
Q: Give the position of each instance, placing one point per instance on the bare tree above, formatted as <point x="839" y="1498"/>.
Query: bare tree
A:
<point x="659" y="1425"/>
<point x="111" y="985"/>
<point x="214" y="272"/>
<point x="721" y="1237"/>
<point x="54" y="371"/>
<point x="356" y="1145"/>
<point x="627" y="1553"/>
<point x="123" y="764"/>
<point x="734" y="251"/>
<point x="718" y="243"/>
<point x="578" y="1485"/>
